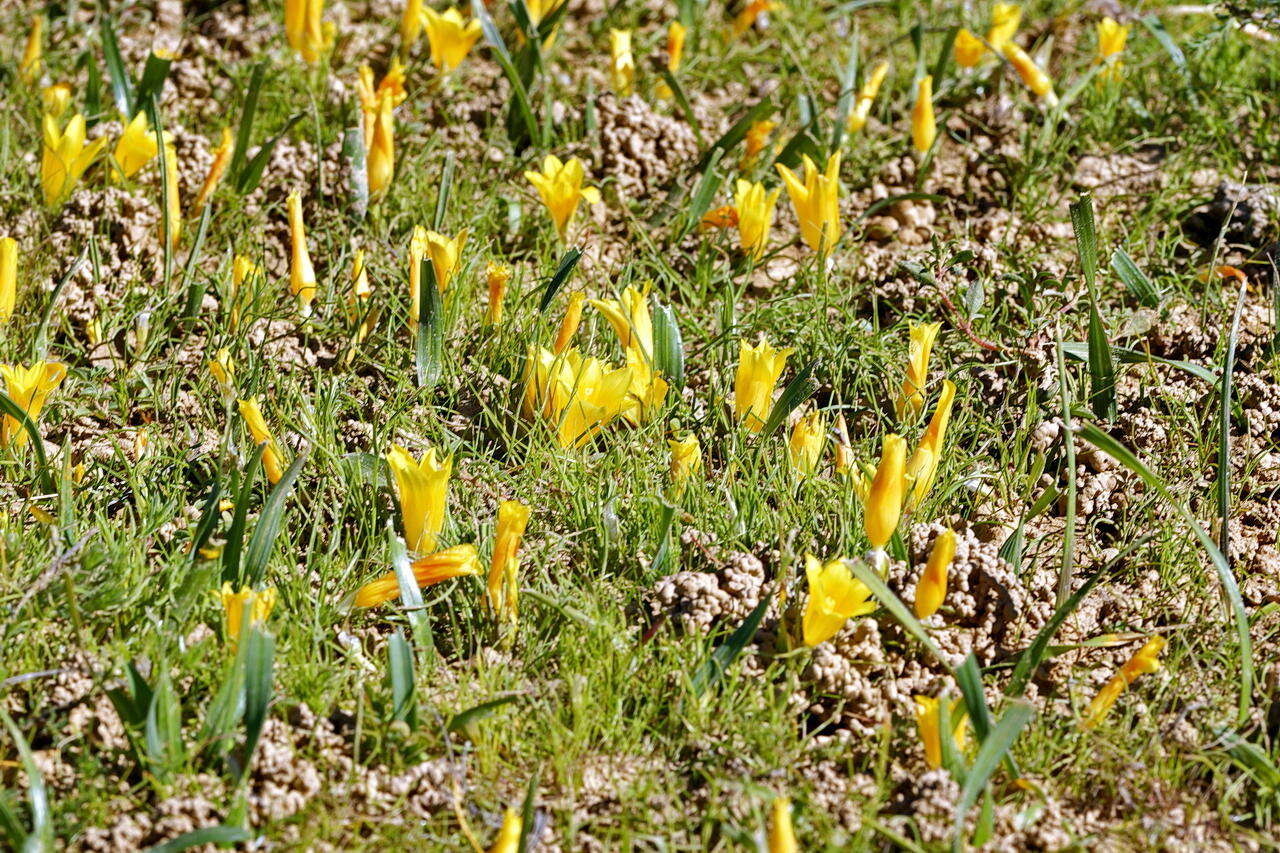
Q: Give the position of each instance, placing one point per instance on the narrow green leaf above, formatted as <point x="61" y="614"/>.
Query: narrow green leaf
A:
<point x="734" y="134"/>
<point x="665" y="520"/>
<point x="682" y="101"/>
<point x="404" y="703"/>
<point x="411" y="595"/>
<point x="219" y="835"/>
<point x="167" y="228"/>
<point x="568" y="263"/>
<point x="429" y="345"/>
<point x="1223" y="484"/>
<point x="227" y="708"/>
<point x="121" y="85"/>
<point x="500" y="53"/>
<point x="714" y="667"/>
<point x="1102" y="376"/>
<point x="990" y="754"/>
<point x="1134" y="279"/>
<point x="242" y="485"/>
<point x="528" y="813"/>
<point x="945" y="53"/>
<point x="848" y="93"/>
<point x="464" y="720"/>
<point x="1086" y="238"/>
<point x="800" y="144"/>
<point x="248" y="112"/>
<point x="154" y="74"/>
<point x="163" y="730"/>
<point x="708" y="185"/>
<point x="1029" y="661"/>
<point x="799" y="389"/>
<point x="41" y="838"/>
<point x="36" y="442"/>
<point x="894" y="605"/>
<point x="668" y="345"/>
<point x="40" y="340"/>
<point x="251" y="176"/>
<point x="263" y="540"/>
<point x="969" y="677"/>
<point x="356" y="158"/>
<point x="1080" y="352"/>
<point x="446" y="187"/>
<point x="258" y="678"/>
<point x="194" y="289"/>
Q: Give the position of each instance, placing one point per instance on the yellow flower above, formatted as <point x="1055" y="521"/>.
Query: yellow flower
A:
<point x="56" y="98"/>
<point x="1144" y="660"/>
<point x="8" y="277"/>
<point x="360" y="287"/>
<point x="923" y="467"/>
<point x="1005" y="18"/>
<point x="969" y="49"/>
<point x="380" y="154"/>
<point x="759" y="368"/>
<point x="1111" y="39"/>
<point x="242" y="269"/>
<point x="410" y="24"/>
<point x="496" y="275"/>
<point x="223" y="371"/>
<point x="883" y="506"/>
<point x="392" y="84"/>
<point x="503" y="593"/>
<point x="569" y="324"/>
<point x="867" y="96"/>
<point x="928" y="723"/>
<point x="65" y="157"/>
<point x="29" y="388"/>
<point x="218" y="168"/>
<point x="782" y="838"/>
<point x="450" y="37"/>
<point x="746" y="19"/>
<point x="816" y="202"/>
<point x="622" y="65"/>
<point x="423" y="488"/>
<point x="29" y="68"/>
<point x="931" y="590"/>
<point x="910" y="399"/>
<point x="560" y="185"/>
<point x="272" y="461"/>
<point x="172" y="201"/>
<point x="258" y="603"/>
<point x="629" y="318"/>
<point x="835" y="597"/>
<point x="306" y="30"/>
<point x="579" y="395"/>
<point x="675" y="45"/>
<point x="539" y="9"/>
<point x="808" y="438"/>
<point x="458" y="561"/>
<point x="1034" y="78"/>
<point x="302" y="277"/>
<point x="756" y="140"/>
<point x="417" y="251"/>
<point x="445" y="252"/>
<point x="844" y="448"/>
<point x="509" y="836"/>
<point x="924" y="127"/>
<point x="753" y="209"/>
<point x="136" y="148"/>
<point x="648" y="390"/>
<point x="686" y="458"/>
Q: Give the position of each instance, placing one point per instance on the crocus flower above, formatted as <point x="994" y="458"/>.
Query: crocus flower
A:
<point x="272" y="461"/>
<point x="257" y="603"/>
<point x="924" y="126"/>
<point x="782" y="838"/>
<point x="923" y="467"/>
<point x="969" y="49"/>
<point x="496" y="277"/>
<point x="1005" y="18"/>
<point x="883" y="505"/>
<point x="422" y="487"/>
<point x="578" y="395"/>
<point x="675" y="45"/>
<point x="648" y="390"/>
<point x="380" y="153"/>
<point x="759" y="368"/>
<point x="867" y="96"/>
<point x="570" y="322"/>
<point x="816" y="201"/>
<point x="1111" y="39"/>
<point x="1144" y="660"/>
<point x="753" y="209"/>
<point x="172" y="199"/>
<point x="931" y="590"/>
<point x="451" y="38"/>
<point x="410" y="24"/>
<point x="136" y="148"/>
<point x="8" y="277"/>
<point x="835" y="597"/>
<point x="29" y="388"/>
<point x="929" y="722"/>
<point x="808" y="438"/>
<point x="622" y="64"/>
<point x="630" y="318"/>
<point x="56" y="98"/>
<point x="508" y="840"/>
<point x="218" y="168"/>
<point x="1032" y="76"/>
<point x="445" y="253"/>
<point x="65" y="157"/>
<point x="910" y="398"/>
<point x="755" y="141"/>
<point x="844" y="448"/>
<point x="503" y="593"/>
<point x="306" y="30"/>
<point x="417" y="251"/>
<point x="560" y="185"/>
<point x="458" y="561"/>
<point x="392" y="83"/>
<point x="223" y="371"/>
<point x="302" y="276"/>
<point x="686" y="458"/>
<point x="29" y="67"/>
<point x="359" y="294"/>
<point x="746" y="19"/>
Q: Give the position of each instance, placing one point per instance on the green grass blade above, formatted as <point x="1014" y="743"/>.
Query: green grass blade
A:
<point x="167" y="228"/>
<point x="404" y="705"/>
<point x="848" y="92"/>
<point x="1223" y="484"/>
<point x="969" y="677"/>
<point x="1080" y="352"/>
<point x="258" y="678"/>
<point x="668" y="345"/>
<point x="568" y="263"/>
<point x="708" y="185"/>
<point x="36" y="442"/>
<point x="193" y="288"/>
<point x="41" y="837"/>
<point x="799" y="389"/>
<point x="251" y="175"/>
<point x="220" y="835"/>
<point x="990" y="754"/>
<point x="121" y="84"/>
<point x="243" y="487"/>
<point x="493" y="37"/>
<point x="528" y="814"/>
<point x="411" y="595"/>
<point x="1102" y="373"/>
<point x="248" y="112"/>
<point x="446" y="188"/>
<point x="428" y="353"/>
<point x="714" y="667"/>
<point x="154" y="74"/>
<point x="1134" y="279"/>
<point x="464" y="720"/>
<point x="895" y="606"/>
<point x="265" y="532"/>
<point x="163" y="729"/>
<point x="682" y="101"/>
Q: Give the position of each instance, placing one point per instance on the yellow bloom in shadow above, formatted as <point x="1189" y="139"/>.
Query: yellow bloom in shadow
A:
<point x="496" y="277"/>
<point x="458" y="561"/>
<point x="686" y="458"/>
<point x="835" y="597"/>
<point x="422" y="487"/>
<point x="503" y="592"/>
<point x="808" y="439"/>
<point x="928" y="724"/>
<point x="29" y="388"/>
<point x="256" y="604"/>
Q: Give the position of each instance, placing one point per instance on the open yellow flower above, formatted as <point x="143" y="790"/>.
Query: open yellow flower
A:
<point x="445" y="252"/>
<point x="306" y="30"/>
<point x="64" y="157"/>
<point x="256" y="604"/>
<point x="883" y="505"/>
<point x="302" y="276"/>
<point x="630" y="318"/>
<point x="451" y="38"/>
<point x="560" y="185"/>
<point x="496" y="277"/>
<point x="1144" y="660"/>
<point x="55" y="99"/>
<point x="816" y="202"/>
<point x="272" y="460"/>
<point x="755" y="141"/>
<point x="782" y="837"/>
<point x="423" y="489"/>
<point x="929" y="722"/>
<point x="1111" y="38"/>
<point x="578" y="395"/>
<point x="218" y="168"/>
<point x="503" y="593"/>
<point x="8" y="277"/>
<point x="808" y="439"/>
<point x="753" y="207"/>
<point x="1005" y="18"/>
<point x="969" y="49"/>
<point x="410" y="24"/>
<point x="508" y="840"/>
<point x="458" y="561"/>
<point x="867" y="96"/>
<point x="570" y="322"/>
<point x="923" y="467"/>
<point x="33" y="53"/>
<point x="622" y="64"/>
<point x="909" y="401"/>
<point x="648" y="390"/>
<point x="931" y="590"/>
<point x="759" y="368"/>
<point x="1032" y="76"/>
<point x="392" y="84"/>
<point x="746" y="19"/>
<point x="835" y="597"/>
<point x="924" y="126"/>
<point x="136" y="148"/>
<point x="686" y="458"/>
<point x="29" y="388"/>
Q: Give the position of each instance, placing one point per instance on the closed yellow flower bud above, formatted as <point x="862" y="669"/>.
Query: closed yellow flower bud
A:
<point x="496" y="275"/>
<point x="33" y="53"/>
<point x="1144" y="660"/>
<point x="686" y="458"/>
<point x="884" y="496"/>
<point x="622" y="65"/>
<point x="782" y="838"/>
<point x="929" y="722"/>
<point x="924" y="126"/>
<point x="56" y="98"/>
<point x="302" y="276"/>
<point x="8" y="277"/>
<point x="808" y="439"/>
<point x="1032" y="76"/>
<point x="1005" y="18"/>
<point x="503" y="592"/>
<point x="931" y="590"/>
<point x="909" y="400"/>
<point x="272" y="460"/>
<point x="572" y="319"/>
<point x="508" y="840"/>
<point x="867" y="96"/>
<point x="218" y="168"/>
